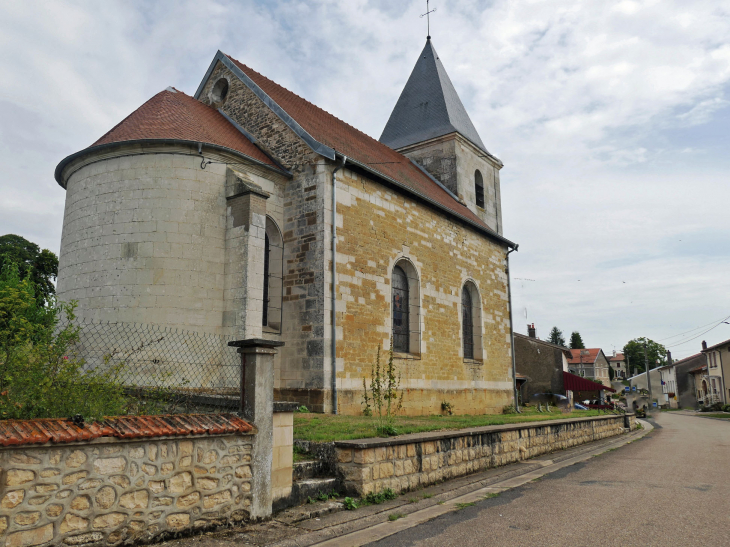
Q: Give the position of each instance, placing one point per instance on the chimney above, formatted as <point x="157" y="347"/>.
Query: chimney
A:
<point x="669" y="358"/>
<point x="531" y="331"/>
<point x="704" y="345"/>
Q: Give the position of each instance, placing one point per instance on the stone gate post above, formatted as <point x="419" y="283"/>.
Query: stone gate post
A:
<point x="257" y="406"/>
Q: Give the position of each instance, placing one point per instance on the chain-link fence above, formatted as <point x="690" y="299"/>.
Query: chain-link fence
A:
<point x="164" y="370"/>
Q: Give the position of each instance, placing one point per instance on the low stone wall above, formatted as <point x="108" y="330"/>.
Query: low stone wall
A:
<point x="410" y="461"/>
<point x="108" y="490"/>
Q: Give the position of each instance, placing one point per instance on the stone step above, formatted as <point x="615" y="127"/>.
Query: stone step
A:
<point x="304" y="489"/>
<point x="308" y="470"/>
<point x="311" y="488"/>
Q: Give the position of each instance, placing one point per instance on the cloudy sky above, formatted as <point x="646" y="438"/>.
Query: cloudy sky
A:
<point x="612" y="119"/>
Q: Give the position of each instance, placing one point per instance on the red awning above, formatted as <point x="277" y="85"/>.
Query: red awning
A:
<point x="571" y="382"/>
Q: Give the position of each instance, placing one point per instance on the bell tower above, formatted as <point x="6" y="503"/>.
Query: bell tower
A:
<point x="430" y="125"/>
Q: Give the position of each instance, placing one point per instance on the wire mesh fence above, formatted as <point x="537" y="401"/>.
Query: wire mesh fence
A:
<point x="163" y="370"/>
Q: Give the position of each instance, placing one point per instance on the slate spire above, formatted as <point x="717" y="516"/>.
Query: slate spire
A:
<point x="428" y="106"/>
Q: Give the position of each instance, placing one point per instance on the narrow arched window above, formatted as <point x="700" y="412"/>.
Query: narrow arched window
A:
<point x="468" y="323"/>
<point x="471" y="323"/>
<point x="273" y="262"/>
<point x="267" y="252"/>
<point x="479" y="188"/>
<point x="401" y="299"/>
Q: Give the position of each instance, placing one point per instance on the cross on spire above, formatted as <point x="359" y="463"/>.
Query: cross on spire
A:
<point x="428" y="19"/>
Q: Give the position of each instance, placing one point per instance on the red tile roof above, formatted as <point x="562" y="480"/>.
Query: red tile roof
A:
<point x="345" y="139"/>
<point x="175" y="115"/>
<point x="617" y="357"/>
<point x="571" y="382"/>
<point x="586" y="359"/>
<point x="59" y="430"/>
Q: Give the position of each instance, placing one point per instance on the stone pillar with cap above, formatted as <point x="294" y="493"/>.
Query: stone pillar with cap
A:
<point x="257" y="406"/>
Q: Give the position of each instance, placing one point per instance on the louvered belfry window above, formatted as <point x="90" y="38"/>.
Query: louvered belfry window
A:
<point x="467" y="324"/>
<point x="479" y="188"/>
<point x="400" y="311"/>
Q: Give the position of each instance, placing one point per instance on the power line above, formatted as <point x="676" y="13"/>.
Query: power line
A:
<point x="692" y="330"/>
<point x="700" y="334"/>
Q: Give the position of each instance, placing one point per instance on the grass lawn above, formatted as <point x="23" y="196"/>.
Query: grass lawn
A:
<point x="328" y="427"/>
<point x="723" y="415"/>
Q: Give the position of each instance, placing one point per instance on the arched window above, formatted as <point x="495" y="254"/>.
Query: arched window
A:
<point x="405" y="301"/>
<point x="479" y="188"/>
<point x="471" y="322"/>
<point x="401" y="298"/>
<point x="273" y="264"/>
<point x="468" y="322"/>
<point x="267" y="252"/>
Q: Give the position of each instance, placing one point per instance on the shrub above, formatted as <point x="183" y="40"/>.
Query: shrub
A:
<point x="384" y="495"/>
<point x="349" y="504"/>
<point x="384" y="398"/>
<point x="509" y="409"/>
<point x="447" y="407"/>
<point x="41" y="376"/>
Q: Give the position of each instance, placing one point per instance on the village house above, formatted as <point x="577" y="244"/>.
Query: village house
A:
<point x="718" y="368"/>
<point x="540" y="365"/>
<point x="247" y="211"/>
<point x="677" y="382"/>
<point x="589" y="363"/>
<point x="617" y="361"/>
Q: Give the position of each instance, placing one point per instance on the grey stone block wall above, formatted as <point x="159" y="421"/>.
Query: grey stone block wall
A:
<point x="143" y="241"/>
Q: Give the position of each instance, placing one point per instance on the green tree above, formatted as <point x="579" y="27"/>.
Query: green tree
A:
<point x="40" y="266"/>
<point x="576" y="342"/>
<point x="556" y="337"/>
<point x="40" y="374"/>
<point x="634" y="353"/>
<point x="611" y="373"/>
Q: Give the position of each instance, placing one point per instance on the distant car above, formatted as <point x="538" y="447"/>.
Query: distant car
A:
<point x="580" y="406"/>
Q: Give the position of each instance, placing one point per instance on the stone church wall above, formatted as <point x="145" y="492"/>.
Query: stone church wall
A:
<point x="380" y="226"/>
<point x="143" y="241"/>
<point x="301" y="373"/>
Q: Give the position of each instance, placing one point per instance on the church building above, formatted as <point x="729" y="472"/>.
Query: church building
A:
<point x="247" y="211"/>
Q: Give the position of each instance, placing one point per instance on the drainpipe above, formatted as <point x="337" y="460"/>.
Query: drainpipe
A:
<point x="512" y="332"/>
<point x="334" y="276"/>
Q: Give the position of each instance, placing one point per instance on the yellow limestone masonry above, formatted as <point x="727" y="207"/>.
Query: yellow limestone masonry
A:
<point x="377" y="227"/>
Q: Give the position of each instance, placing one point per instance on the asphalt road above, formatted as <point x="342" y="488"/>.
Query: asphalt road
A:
<point x="671" y="488"/>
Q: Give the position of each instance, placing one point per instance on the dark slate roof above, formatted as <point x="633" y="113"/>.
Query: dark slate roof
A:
<point x="428" y="107"/>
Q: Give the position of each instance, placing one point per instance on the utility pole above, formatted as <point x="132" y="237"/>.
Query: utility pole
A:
<point x="648" y="377"/>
